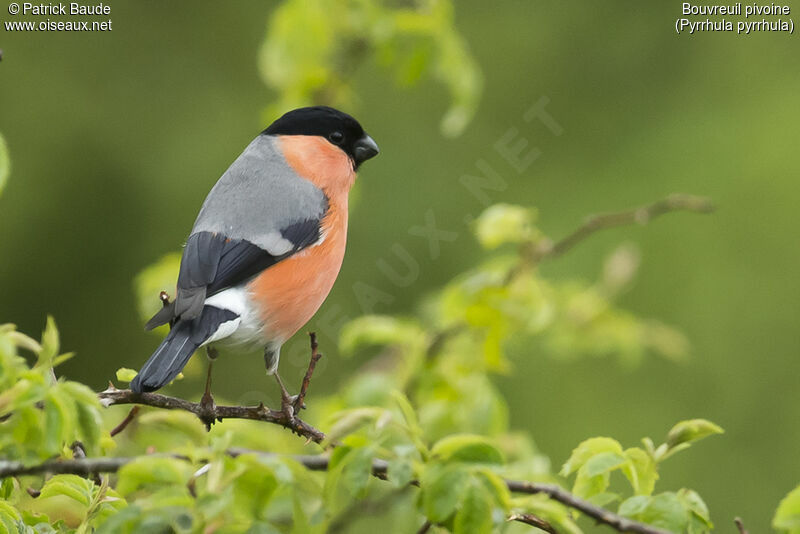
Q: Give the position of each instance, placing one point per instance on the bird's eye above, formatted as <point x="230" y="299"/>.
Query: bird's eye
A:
<point x="336" y="138"/>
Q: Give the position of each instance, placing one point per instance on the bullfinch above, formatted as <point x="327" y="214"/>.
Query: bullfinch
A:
<point x="267" y="244"/>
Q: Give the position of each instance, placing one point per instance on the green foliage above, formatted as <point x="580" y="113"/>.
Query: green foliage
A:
<point x="595" y="459"/>
<point x="415" y="40"/>
<point x="787" y="516"/>
<point x="505" y="223"/>
<point x="683" y="511"/>
<point x="41" y="415"/>
<point x="686" y="432"/>
<point x="430" y="414"/>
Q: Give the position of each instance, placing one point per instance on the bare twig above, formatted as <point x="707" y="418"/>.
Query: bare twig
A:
<point x="125" y="422"/>
<point x="82" y="466"/>
<point x="534" y="521"/>
<point x="312" y="364"/>
<point x="740" y="525"/>
<point x="641" y="215"/>
<point x="112" y="396"/>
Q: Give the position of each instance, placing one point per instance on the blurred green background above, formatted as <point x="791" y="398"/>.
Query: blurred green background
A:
<point x="116" y="138"/>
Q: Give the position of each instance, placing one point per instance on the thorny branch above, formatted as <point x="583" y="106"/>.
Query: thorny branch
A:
<point x="112" y="396"/>
<point x="210" y="412"/>
<point x="88" y="466"/>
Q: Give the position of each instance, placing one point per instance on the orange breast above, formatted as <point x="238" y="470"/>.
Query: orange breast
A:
<point x="290" y="292"/>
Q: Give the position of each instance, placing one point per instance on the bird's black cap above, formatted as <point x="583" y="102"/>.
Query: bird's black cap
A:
<point x="336" y="126"/>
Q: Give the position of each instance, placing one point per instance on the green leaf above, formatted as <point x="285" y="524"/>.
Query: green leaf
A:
<point x="690" y="431"/>
<point x="125" y="374"/>
<point x="603" y="463"/>
<point x="349" y="421"/>
<point x="77" y="488"/>
<point x="152" y="472"/>
<point x="442" y="488"/>
<point x="699" y="517"/>
<point x="8" y="512"/>
<point x="787" y="516"/>
<point x="409" y="416"/>
<point x="49" y="344"/>
<point x="641" y="472"/>
<point x="253" y="488"/>
<point x="371" y="330"/>
<point x="664" y="511"/>
<point x="586" y="450"/>
<point x="634" y="506"/>
<point x="467" y="448"/>
<point x="594" y="460"/>
<point x="5" y="163"/>
<point x="474" y="515"/>
<point x="357" y="470"/>
<point x="505" y="223"/>
<point x="60" y="419"/>
<point x="496" y="487"/>
<point x="89" y="420"/>
<point x="6" y="487"/>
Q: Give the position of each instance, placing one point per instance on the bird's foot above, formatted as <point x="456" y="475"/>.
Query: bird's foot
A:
<point x="208" y="410"/>
<point x="288" y="402"/>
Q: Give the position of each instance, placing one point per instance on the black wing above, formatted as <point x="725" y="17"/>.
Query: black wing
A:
<point x="212" y="262"/>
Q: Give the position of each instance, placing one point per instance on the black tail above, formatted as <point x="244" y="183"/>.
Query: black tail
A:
<point x="174" y="352"/>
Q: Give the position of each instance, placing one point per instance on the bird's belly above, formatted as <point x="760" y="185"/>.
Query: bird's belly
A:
<point x="289" y="293"/>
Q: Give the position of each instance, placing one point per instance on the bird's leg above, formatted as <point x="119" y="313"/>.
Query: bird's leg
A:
<point x="207" y="403"/>
<point x="271" y="357"/>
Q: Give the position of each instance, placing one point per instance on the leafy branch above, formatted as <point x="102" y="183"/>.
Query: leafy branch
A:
<point x="379" y="469"/>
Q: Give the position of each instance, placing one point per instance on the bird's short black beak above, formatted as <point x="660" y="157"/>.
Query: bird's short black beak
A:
<point x="365" y="148"/>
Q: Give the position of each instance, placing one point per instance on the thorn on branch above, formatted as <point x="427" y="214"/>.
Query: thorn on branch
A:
<point x="740" y="525"/>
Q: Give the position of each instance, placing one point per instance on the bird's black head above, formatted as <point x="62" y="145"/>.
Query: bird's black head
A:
<point x="337" y="127"/>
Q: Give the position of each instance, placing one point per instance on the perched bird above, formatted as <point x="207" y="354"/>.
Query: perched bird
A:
<point x="267" y="245"/>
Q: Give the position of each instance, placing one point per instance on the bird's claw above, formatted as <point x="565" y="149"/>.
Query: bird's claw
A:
<point x="208" y="409"/>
